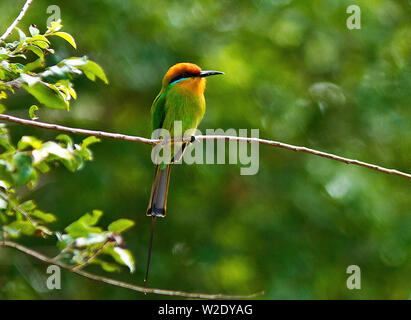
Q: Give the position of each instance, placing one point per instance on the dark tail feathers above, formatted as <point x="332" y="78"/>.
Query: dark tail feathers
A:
<point x="158" y="199"/>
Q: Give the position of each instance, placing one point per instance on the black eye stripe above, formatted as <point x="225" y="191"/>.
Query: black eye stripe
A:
<point x="183" y="75"/>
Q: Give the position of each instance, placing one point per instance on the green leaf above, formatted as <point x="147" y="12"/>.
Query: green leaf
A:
<point x="28" y="206"/>
<point x="23" y="168"/>
<point x="34" y="30"/>
<point x="55" y="26"/>
<point x="42" y="44"/>
<point x="39" y="37"/>
<point x="16" y="67"/>
<point x="64" y="240"/>
<point x="36" y="64"/>
<point x="3" y="204"/>
<point x="11" y="232"/>
<point x="107" y="266"/>
<point x="90" y="75"/>
<point x="43" y="167"/>
<point x="84" y="226"/>
<point x="26" y="141"/>
<point x="92" y="68"/>
<point x="4" y="53"/>
<point x="3" y="184"/>
<point x="66" y="139"/>
<point x="36" y="50"/>
<point x="22" y="35"/>
<point x="75" y="61"/>
<point x="32" y="112"/>
<point x="21" y="226"/>
<point x="85" y="154"/>
<point x="46" y="217"/>
<point x="57" y="73"/>
<point x="91" y="239"/>
<point x="120" y="225"/>
<point x="47" y="96"/>
<point x="72" y="91"/>
<point x="125" y="257"/>
<point x="6" y="145"/>
<point x="91" y="219"/>
<point x="66" y="36"/>
<point x="5" y="140"/>
<point x="76" y="163"/>
<point x="52" y="148"/>
<point x="78" y="229"/>
<point x="28" y="79"/>
<point x="89" y="141"/>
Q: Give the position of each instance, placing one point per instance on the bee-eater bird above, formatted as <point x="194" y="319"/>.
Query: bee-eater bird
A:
<point x="181" y="98"/>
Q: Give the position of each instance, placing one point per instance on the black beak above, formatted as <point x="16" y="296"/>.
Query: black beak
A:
<point x="209" y="73"/>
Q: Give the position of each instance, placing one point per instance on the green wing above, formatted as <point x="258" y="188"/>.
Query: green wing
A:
<point x="158" y="110"/>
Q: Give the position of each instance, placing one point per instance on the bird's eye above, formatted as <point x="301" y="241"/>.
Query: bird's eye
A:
<point x="181" y="76"/>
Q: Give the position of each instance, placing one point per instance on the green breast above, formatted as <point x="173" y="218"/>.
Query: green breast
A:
<point x="183" y="106"/>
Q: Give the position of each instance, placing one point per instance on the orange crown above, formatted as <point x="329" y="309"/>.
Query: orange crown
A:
<point x="180" y="68"/>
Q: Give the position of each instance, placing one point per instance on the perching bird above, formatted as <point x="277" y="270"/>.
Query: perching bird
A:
<point x="181" y="99"/>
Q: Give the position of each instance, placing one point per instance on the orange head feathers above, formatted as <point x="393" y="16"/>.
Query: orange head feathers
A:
<point x="180" y="69"/>
<point x="188" y="76"/>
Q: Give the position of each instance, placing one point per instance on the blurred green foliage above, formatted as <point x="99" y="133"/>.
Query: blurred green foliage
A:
<point x="21" y="166"/>
<point x="293" y="70"/>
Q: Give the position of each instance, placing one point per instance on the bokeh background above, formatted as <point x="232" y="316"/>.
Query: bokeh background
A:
<point x="294" y="71"/>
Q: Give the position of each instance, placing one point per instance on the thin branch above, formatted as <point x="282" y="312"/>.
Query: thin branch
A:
<point x="122" y="284"/>
<point x="86" y="132"/>
<point x="15" y="84"/>
<point x="16" y="21"/>
<point x="272" y="143"/>
<point x="310" y="151"/>
<point x="95" y="254"/>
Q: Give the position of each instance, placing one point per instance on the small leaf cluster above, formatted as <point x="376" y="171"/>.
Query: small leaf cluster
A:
<point x="22" y="164"/>
<point x="51" y="85"/>
<point x="83" y="243"/>
<point x="22" y="218"/>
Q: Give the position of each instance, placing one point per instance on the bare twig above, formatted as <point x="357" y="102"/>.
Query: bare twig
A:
<point x="202" y="137"/>
<point x="16" y="21"/>
<point x="122" y="284"/>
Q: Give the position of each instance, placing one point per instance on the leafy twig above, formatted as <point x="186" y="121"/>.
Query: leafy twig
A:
<point x="121" y="284"/>
<point x="17" y="208"/>
<point x="272" y="143"/>
<point x="16" y="21"/>
<point x="95" y="254"/>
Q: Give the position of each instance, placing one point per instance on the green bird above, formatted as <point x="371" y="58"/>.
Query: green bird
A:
<point x="181" y="99"/>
